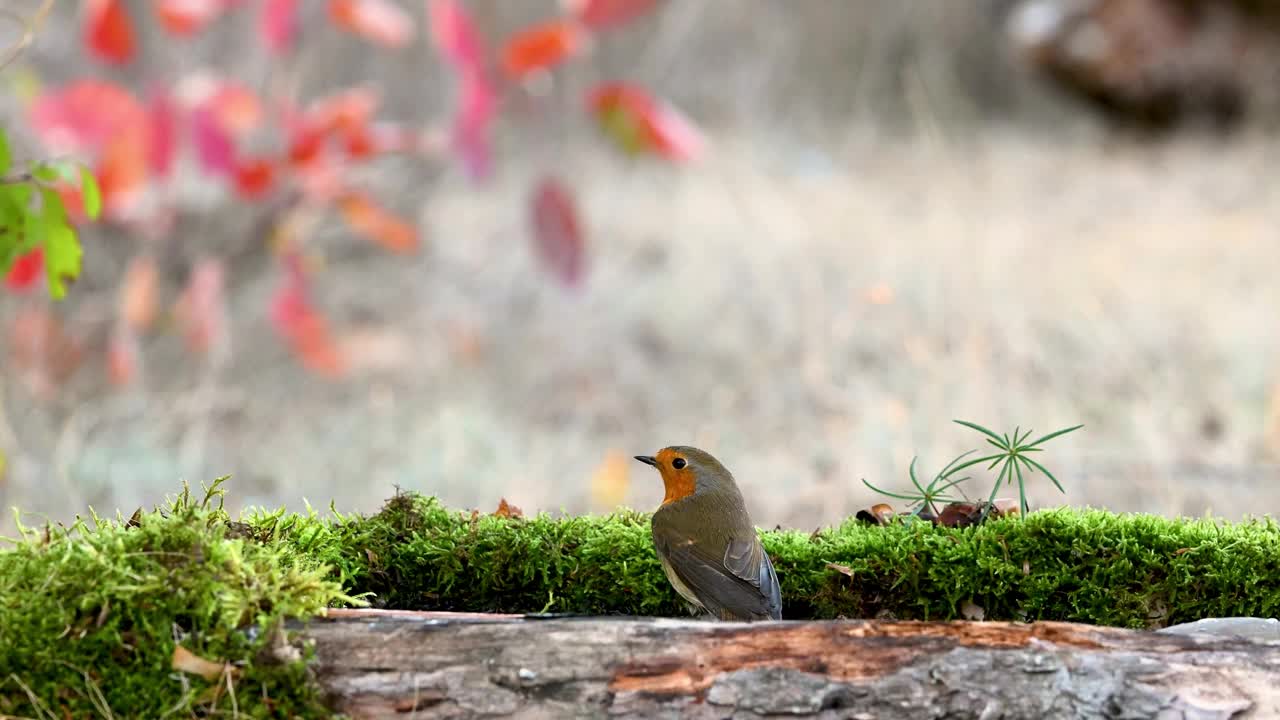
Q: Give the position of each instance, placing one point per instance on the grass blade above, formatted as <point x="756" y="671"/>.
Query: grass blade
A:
<point x="1048" y="474"/>
<point x="909" y="498"/>
<point x="1057" y="433"/>
<point x="979" y="428"/>
<point x="977" y="461"/>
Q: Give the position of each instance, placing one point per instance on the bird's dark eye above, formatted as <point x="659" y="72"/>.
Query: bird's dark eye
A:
<point x="678" y="463"/>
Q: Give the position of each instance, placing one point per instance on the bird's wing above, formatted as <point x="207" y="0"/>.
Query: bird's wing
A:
<point x="740" y="584"/>
<point x="748" y="560"/>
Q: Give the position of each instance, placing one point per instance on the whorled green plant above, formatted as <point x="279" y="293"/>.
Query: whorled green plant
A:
<point x="1014" y="460"/>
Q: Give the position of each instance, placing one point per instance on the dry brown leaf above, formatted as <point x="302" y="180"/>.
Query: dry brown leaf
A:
<point x="842" y="569"/>
<point x="186" y="661"/>
<point x="878" y="514"/>
<point x="611" y="480"/>
<point x="507" y="510"/>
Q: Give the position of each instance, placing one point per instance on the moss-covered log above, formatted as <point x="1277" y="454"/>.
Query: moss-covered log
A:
<point x="374" y="665"/>
<point x="178" y="608"/>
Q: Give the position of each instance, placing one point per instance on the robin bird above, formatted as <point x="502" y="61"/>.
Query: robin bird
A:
<point x="706" y="542"/>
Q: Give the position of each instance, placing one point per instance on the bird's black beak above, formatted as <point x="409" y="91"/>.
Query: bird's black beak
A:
<point x="648" y="460"/>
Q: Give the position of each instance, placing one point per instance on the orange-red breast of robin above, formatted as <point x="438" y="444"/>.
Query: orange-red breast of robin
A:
<point x="706" y="541"/>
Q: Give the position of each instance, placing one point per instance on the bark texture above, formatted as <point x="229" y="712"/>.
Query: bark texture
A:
<point x="395" y="664"/>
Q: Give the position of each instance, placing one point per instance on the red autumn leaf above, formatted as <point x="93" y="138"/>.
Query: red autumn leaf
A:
<point x="108" y="31"/>
<point x="455" y="35"/>
<point x="343" y="117"/>
<point x="381" y="21"/>
<point x="121" y="170"/>
<point x="306" y="144"/>
<point x="358" y="143"/>
<point x="603" y="14"/>
<point x="639" y="123"/>
<point x="278" y="24"/>
<point x="187" y="17"/>
<point x="25" y="271"/>
<point x="254" y="177"/>
<point x="213" y="143"/>
<point x="200" y="310"/>
<point x="557" y="237"/>
<point x="542" y="47"/>
<point x="301" y="325"/>
<point x="345" y="110"/>
<point x="122" y="356"/>
<point x="136" y="301"/>
<point x="375" y="223"/>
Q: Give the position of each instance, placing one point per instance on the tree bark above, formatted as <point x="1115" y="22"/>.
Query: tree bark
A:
<point x="398" y="664"/>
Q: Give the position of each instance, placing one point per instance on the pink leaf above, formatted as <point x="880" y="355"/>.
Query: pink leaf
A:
<point x="455" y="35"/>
<point x="214" y="146"/>
<point x="278" y="24"/>
<point x="471" y="134"/>
<point x="456" y="38"/>
<point x="163" y="135"/>
<point x="84" y="115"/>
<point x="557" y="236"/>
<point x="201" y="309"/>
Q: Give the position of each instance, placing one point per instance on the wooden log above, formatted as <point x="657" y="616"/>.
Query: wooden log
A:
<point x="398" y="664"/>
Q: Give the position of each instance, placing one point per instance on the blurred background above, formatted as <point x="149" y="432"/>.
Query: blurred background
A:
<point x="899" y="213"/>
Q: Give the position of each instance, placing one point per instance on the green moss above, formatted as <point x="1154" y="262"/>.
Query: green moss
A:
<point x="89" y="615"/>
<point x="1086" y="566"/>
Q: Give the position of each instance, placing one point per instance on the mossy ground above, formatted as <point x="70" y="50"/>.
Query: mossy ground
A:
<point x="90" y="615"/>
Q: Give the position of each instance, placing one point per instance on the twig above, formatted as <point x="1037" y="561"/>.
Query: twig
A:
<point x="29" y="27"/>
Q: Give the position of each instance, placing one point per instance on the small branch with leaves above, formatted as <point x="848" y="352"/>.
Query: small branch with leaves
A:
<point x="35" y="230"/>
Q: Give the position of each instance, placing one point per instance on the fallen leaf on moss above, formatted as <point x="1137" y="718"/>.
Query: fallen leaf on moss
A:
<point x="507" y="510"/>
<point x="878" y="514"/>
<point x="842" y="569"/>
<point x="186" y="661"/>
